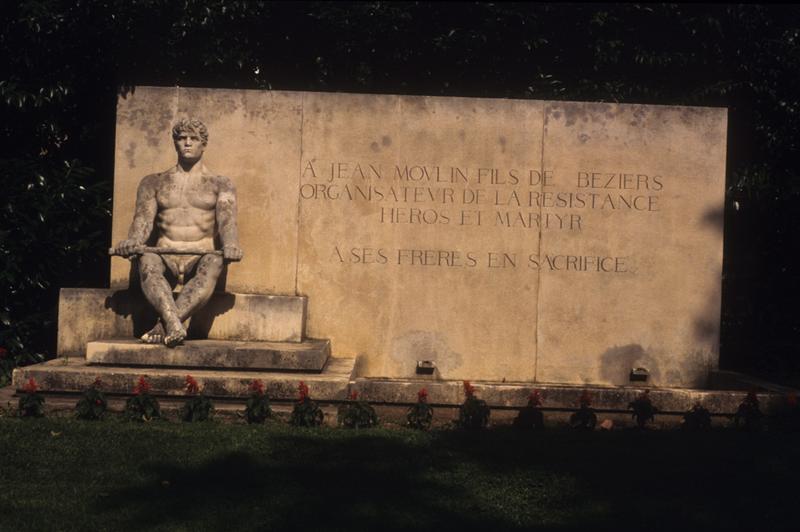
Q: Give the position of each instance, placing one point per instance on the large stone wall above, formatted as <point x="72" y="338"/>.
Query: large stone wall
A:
<point x="502" y="239"/>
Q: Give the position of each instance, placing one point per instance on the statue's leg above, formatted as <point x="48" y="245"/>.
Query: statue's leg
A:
<point x="199" y="289"/>
<point x="159" y="293"/>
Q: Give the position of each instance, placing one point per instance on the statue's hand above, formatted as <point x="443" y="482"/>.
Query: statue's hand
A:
<point x="126" y="248"/>
<point x="232" y="253"/>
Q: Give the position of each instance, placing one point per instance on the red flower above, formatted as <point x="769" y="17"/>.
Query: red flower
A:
<point x="257" y="387"/>
<point x="469" y="390"/>
<point x="354" y="395"/>
<point x="585" y="399"/>
<point x="3" y="353"/>
<point x="141" y="386"/>
<point x="422" y="396"/>
<point x="97" y="383"/>
<point x="192" y="388"/>
<point x="535" y="398"/>
<point x="98" y="402"/>
<point x="30" y="386"/>
<point x="302" y="390"/>
<point x="791" y="399"/>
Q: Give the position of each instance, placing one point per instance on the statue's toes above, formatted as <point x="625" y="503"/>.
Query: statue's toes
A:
<point x="174" y="339"/>
<point x="150" y="338"/>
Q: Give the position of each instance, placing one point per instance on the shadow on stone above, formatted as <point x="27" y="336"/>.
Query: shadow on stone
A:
<point x="130" y="303"/>
<point x="617" y="362"/>
<point x="201" y="322"/>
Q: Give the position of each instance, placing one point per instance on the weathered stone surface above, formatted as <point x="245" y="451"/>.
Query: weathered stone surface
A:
<point x="598" y="249"/>
<point x="310" y="355"/>
<point x="506" y="395"/>
<point x="73" y="374"/>
<point x="86" y="314"/>
<point x="413" y="274"/>
<point x="658" y="306"/>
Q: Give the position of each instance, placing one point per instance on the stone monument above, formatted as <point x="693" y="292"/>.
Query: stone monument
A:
<point x="504" y="241"/>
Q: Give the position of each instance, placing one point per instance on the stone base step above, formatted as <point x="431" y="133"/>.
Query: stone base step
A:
<point x="513" y="395"/>
<point x="307" y="356"/>
<point x="74" y="375"/>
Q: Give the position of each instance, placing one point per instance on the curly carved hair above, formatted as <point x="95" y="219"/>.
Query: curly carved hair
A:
<point x="190" y="125"/>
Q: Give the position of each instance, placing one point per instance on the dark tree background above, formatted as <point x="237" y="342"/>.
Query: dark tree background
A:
<point x="63" y="63"/>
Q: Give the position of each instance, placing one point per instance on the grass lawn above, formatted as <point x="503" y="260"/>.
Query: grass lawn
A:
<point x="64" y="474"/>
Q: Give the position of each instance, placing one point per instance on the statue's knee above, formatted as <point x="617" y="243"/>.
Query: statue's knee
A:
<point x="212" y="264"/>
<point x="150" y="263"/>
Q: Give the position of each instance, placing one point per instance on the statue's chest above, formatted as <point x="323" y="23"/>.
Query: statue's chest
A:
<point x="180" y="192"/>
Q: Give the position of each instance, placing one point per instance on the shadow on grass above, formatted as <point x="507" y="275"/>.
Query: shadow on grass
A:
<point x="497" y="480"/>
<point x="366" y="483"/>
<point x="655" y="479"/>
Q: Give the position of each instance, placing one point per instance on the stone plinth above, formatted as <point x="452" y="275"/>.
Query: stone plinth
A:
<point x="86" y="314"/>
<point x="73" y="375"/>
<point x="309" y="355"/>
<point x="512" y="395"/>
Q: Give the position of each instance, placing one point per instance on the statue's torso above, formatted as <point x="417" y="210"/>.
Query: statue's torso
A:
<point x="186" y="215"/>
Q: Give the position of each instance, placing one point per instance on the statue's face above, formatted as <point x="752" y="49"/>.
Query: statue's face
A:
<point x="189" y="146"/>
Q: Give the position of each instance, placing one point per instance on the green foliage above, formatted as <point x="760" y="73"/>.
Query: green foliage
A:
<point x="530" y="417"/>
<point x="585" y="417"/>
<point x="357" y="414"/>
<point x="643" y="409"/>
<point x="197" y="408"/>
<point x="748" y="416"/>
<point x="696" y="419"/>
<point x="473" y="414"/>
<point x="7" y="364"/>
<point x="52" y="220"/>
<point x="306" y="413"/>
<point x="142" y="406"/>
<point x="92" y="404"/>
<point x="420" y="415"/>
<point x="257" y="409"/>
<point x="31" y="404"/>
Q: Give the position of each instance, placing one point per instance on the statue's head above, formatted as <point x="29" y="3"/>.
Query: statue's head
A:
<point x="190" y="125"/>
<point x="190" y="137"/>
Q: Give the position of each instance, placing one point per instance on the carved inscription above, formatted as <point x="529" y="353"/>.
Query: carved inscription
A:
<point x="477" y="259"/>
<point x="524" y="199"/>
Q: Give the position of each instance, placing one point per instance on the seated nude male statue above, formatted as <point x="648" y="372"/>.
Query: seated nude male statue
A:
<point x="190" y="208"/>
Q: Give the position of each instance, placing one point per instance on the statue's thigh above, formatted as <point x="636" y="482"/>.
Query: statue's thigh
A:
<point x="209" y="267"/>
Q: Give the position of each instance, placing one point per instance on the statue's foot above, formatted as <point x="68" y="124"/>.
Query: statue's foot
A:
<point x="154" y="335"/>
<point x="175" y="337"/>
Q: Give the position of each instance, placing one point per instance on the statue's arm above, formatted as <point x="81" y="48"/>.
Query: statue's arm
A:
<point x="143" y="218"/>
<point x="226" y="220"/>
